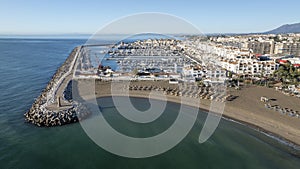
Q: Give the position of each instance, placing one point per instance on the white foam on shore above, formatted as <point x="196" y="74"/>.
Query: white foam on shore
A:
<point x="271" y="135"/>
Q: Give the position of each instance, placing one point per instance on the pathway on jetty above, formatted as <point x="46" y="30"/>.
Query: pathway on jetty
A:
<point x="58" y="92"/>
<point x="51" y="108"/>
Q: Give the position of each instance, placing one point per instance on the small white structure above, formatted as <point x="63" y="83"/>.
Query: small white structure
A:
<point x="173" y="81"/>
<point x="264" y="99"/>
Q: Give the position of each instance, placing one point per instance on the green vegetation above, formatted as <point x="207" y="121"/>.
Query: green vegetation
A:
<point x="276" y="39"/>
<point x="287" y="74"/>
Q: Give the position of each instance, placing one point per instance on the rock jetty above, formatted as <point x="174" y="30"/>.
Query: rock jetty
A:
<point x="41" y="112"/>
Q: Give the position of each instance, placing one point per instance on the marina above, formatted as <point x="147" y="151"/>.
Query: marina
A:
<point x="24" y="143"/>
<point x="149" y="85"/>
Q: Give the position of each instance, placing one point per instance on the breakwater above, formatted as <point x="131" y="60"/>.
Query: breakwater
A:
<point x="55" y="105"/>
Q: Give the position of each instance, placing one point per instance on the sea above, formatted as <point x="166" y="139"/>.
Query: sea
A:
<point x="26" y="66"/>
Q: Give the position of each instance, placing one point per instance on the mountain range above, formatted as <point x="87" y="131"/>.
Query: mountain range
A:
<point x="288" y="28"/>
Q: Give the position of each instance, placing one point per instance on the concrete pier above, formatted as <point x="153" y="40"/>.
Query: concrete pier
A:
<point x="52" y="108"/>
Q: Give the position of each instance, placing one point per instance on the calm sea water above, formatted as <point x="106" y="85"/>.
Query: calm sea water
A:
<point x="26" y="66"/>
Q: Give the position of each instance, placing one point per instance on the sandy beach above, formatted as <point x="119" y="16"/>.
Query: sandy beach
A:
<point x="246" y="108"/>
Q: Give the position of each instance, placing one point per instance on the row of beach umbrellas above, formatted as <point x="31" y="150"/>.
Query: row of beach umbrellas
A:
<point x="186" y="91"/>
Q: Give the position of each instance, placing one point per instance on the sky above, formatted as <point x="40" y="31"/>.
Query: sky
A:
<point x="87" y="17"/>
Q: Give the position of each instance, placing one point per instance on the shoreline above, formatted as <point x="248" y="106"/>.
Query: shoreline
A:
<point x="245" y="109"/>
<point x="269" y="134"/>
<point x="274" y="126"/>
<point x="259" y="129"/>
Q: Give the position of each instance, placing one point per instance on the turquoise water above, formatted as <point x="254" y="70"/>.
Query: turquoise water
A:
<point x="26" y="66"/>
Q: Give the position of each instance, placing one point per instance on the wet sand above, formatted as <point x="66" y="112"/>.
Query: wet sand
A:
<point x="246" y="108"/>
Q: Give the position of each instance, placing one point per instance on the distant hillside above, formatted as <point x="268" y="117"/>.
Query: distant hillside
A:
<point x="288" y="28"/>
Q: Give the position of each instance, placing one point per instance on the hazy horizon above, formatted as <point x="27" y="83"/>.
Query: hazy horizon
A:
<point x="91" y="33"/>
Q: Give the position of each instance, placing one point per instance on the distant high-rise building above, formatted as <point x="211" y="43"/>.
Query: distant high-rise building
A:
<point x="266" y="47"/>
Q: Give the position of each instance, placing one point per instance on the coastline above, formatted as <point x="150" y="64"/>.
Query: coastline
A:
<point x="246" y="109"/>
<point x="271" y="123"/>
<point x="257" y="128"/>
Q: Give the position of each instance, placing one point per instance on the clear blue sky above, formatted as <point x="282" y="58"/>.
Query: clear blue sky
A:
<point x="210" y="16"/>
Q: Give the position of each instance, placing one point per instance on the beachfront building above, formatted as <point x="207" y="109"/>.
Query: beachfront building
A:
<point x="295" y="62"/>
<point x="242" y="55"/>
<point x="193" y="71"/>
<point x="249" y="66"/>
<point x="291" y="60"/>
<point x="216" y="74"/>
<point x="241" y="61"/>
